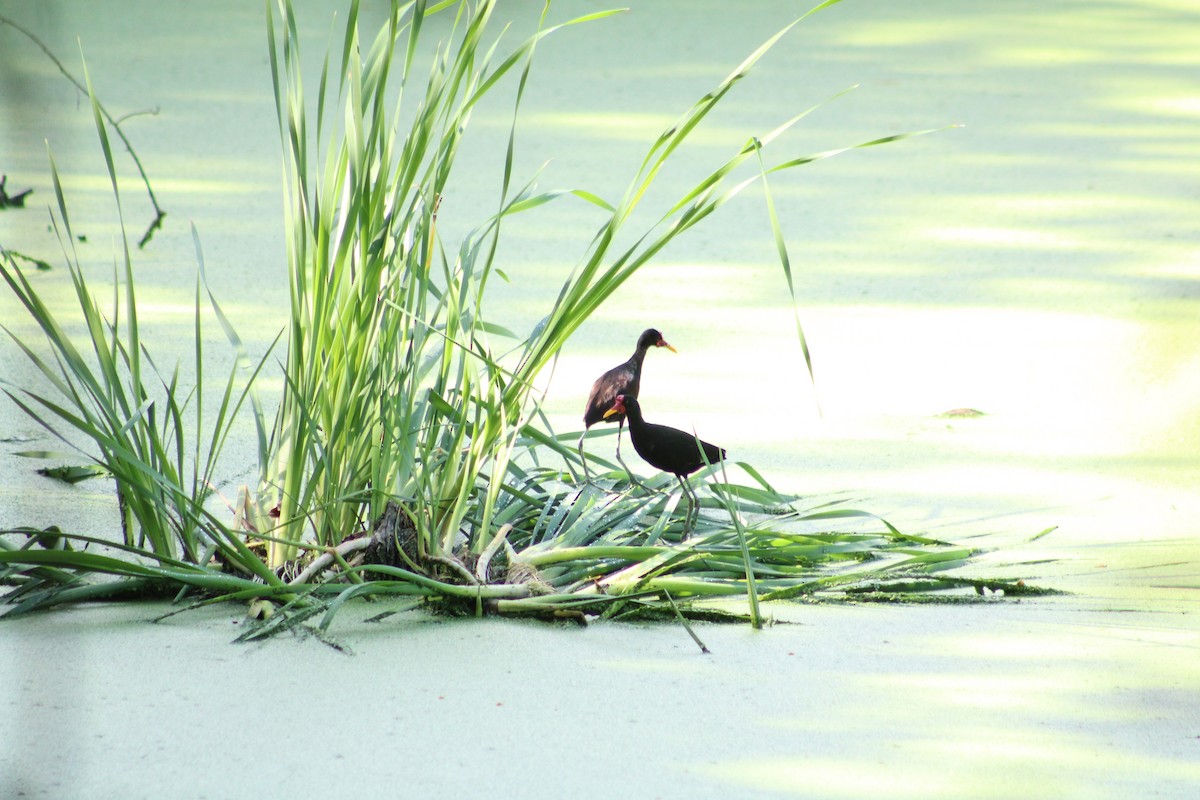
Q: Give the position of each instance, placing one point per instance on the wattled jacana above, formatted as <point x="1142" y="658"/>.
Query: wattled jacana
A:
<point x="669" y="449"/>
<point x="623" y="379"/>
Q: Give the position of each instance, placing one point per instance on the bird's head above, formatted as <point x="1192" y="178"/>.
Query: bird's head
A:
<point x="652" y="338"/>
<point x="618" y="406"/>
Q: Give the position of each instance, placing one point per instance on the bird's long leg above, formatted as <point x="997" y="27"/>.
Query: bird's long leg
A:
<point x="688" y="521"/>
<point x="632" y="478"/>
<point x="587" y="476"/>
<point x="695" y="503"/>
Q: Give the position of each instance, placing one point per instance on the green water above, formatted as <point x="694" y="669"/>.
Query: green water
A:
<point x="1040" y="264"/>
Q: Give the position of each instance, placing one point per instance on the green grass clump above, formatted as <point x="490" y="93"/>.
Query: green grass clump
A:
<point x="408" y="455"/>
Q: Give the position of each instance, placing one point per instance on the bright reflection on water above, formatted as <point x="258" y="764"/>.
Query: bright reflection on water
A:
<point x="1038" y="264"/>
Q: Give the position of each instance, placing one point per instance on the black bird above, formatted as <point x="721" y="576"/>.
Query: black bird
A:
<point x="623" y="379"/>
<point x="668" y="449"/>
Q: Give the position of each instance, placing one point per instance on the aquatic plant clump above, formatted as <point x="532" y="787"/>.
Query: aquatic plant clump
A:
<point x="408" y="456"/>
